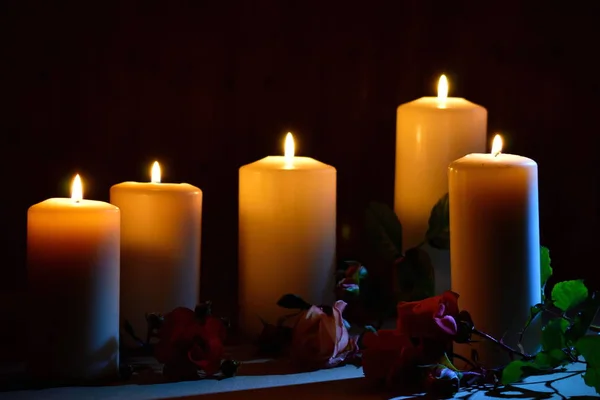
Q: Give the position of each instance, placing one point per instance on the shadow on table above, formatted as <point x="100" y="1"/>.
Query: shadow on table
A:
<point x="522" y="392"/>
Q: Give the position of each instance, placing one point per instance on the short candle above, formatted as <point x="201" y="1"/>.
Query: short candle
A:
<point x="495" y="244"/>
<point x="160" y="246"/>
<point x="73" y="286"/>
<point x="287" y="234"/>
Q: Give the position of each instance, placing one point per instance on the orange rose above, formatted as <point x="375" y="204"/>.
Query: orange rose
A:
<point x="320" y="338"/>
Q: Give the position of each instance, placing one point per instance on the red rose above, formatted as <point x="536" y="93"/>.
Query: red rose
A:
<point x="185" y="338"/>
<point x="320" y="340"/>
<point x="387" y="356"/>
<point x="434" y="317"/>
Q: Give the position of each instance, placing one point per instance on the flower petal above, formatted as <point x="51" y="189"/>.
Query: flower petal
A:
<point x="447" y="324"/>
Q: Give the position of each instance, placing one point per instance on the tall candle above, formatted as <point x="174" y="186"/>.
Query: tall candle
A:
<point x="160" y="246"/>
<point x="73" y="279"/>
<point x="431" y="132"/>
<point x="287" y="234"/>
<point x="495" y="244"/>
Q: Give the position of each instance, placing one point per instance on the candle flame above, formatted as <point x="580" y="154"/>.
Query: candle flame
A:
<point x="77" y="189"/>
<point x="288" y="148"/>
<point x="155" y="173"/>
<point x="442" y="91"/>
<point x="497" y="145"/>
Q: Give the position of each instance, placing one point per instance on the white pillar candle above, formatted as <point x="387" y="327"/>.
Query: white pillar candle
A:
<point x="287" y="234"/>
<point x="160" y="246"/>
<point x="431" y="132"/>
<point x="495" y="244"/>
<point x="73" y="285"/>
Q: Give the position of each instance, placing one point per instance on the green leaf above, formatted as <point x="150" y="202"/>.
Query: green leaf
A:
<point x="583" y="320"/>
<point x="414" y="276"/>
<point x="546" y="268"/>
<point x="533" y="313"/>
<point x="589" y="348"/>
<point x="553" y="334"/>
<point x="569" y="294"/>
<point x="513" y="372"/>
<point x="438" y="234"/>
<point x="384" y="231"/>
<point x="592" y="378"/>
<point x="550" y="359"/>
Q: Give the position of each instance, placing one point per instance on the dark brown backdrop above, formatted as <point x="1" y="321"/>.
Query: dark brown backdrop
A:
<point x="207" y="86"/>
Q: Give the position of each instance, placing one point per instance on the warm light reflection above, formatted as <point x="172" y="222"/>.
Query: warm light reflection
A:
<point x="155" y="173"/>
<point x="288" y="148"/>
<point x="497" y="145"/>
<point x="77" y="189"/>
<point x="442" y="91"/>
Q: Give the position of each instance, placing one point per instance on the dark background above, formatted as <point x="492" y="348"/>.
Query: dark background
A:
<point x="208" y="86"/>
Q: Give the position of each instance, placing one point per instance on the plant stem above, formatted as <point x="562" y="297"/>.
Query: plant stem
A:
<point x="503" y="345"/>
<point x="557" y="314"/>
<point x="465" y="359"/>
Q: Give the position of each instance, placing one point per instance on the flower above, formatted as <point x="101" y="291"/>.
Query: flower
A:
<point x="188" y="340"/>
<point x="434" y="317"/>
<point x="349" y="279"/>
<point x="397" y="359"/>
<point x="388" y="356"/>
<point x="320" y="338"/>
<point x="424" y="330"/>
<point x="443" y="378"/>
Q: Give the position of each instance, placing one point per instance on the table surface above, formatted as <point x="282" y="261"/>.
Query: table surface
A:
<point x="274" y="379"/>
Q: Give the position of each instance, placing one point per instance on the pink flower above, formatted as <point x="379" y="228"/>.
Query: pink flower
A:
<point x="320" y="340"/>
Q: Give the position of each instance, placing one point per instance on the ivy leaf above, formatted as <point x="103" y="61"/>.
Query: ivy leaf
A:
<point x="533" y="314"/>
<point x="384" y="231"/>
<point x="438" y="233"/>
<point x="550" y="359"/>
<point x="414" y="276"/>
<point x="513" y="372"/>
<point x="569" y="294"/>
<point x="293" y="302"/>
<point x="546" y="268"/>
<point x="583" y="320"/>
<point x="553" y="334"/>
<point x="589" y="348"/>
<point x="519" y="369"/>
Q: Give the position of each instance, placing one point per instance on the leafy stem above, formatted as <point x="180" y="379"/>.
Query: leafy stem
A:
<point x="500" y="343"/>
<point x="558" y="314"/>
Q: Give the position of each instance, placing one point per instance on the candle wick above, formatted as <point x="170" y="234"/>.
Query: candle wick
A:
<point x="496" y="153"/>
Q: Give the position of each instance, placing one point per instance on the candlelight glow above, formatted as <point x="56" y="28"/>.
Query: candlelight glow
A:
<point x="155" y="173"/>
<point x="77" y="189"/>
<point x="288" y="148"/>
<point x="497" y="145"/>
<point x="442" y="91"/>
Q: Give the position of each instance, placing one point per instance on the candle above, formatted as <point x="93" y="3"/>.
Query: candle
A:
<point x="160" y="246"/>
<point x="495" y="245"/>
<point x="431" y="132"/>
<point x="287" y="234"/>
<point x="73" y="279"/>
